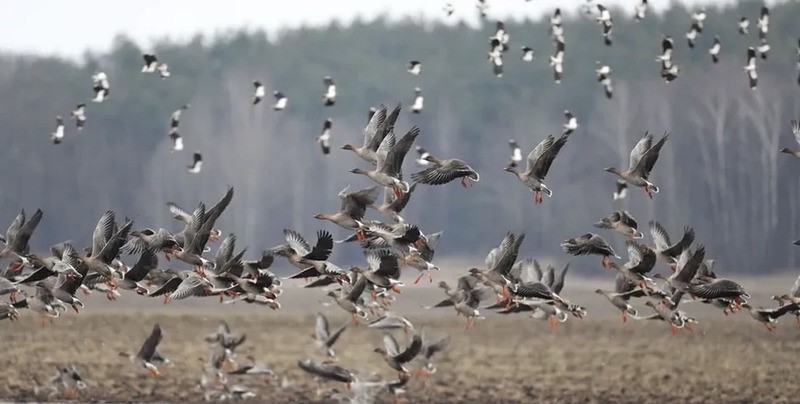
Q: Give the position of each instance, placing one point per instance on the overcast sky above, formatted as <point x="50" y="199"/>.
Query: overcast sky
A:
<point x="69" y="27"/>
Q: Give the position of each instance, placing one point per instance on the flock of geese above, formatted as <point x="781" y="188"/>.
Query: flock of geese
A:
<point x="47" y="284"/>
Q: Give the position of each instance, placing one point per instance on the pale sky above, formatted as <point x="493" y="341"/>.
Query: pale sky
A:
<point x="68" y="27"/>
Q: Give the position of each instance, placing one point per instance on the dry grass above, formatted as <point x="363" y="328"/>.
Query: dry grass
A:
<point x="515" y="359"/>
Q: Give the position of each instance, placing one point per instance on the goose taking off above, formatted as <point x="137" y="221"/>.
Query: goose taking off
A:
<point x="197" y="163"/>
<point x="330" y="91"/>
<point x="324" y="139"/>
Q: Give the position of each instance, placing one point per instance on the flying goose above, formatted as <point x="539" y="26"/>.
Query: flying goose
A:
<point x="327" y="371"/>
<point x="324" y="139"/>
<point x="557" y="61"/>
<point x="163" y="71"/>
<point x="147" y="354"/>
<point x="556" y="19"/>
<point x="669" y="71"/>
<point x="539" y="161"/>
<point x="330" y="91"/>
<point x="699" y="17"/>
<point x="642" y="160"/>
<point x="151" y="65"/>
<point x="392" y="206"/>
<point x="280" y="101"/>
<point x="769" y="317"/>
<point x="17" y="237"/>
<point x="391" y="321"/>
<point x="258" y="92"/>
<point x="379" y="125"/>
<point x="482" y="7"/>
<point x="528" y="54"/>
<point x="197" y="163"/>
<point x="323" y="338"/>
<point x="422" y="258"/>
<point x="100" y="86"/>
<point x="390" y="155"/>
<point x="750" y="68"/>
<point x="501" y="35"/>
<point x="640" y="10"/>
<point x="350" y="300"/>
<point x="79" y="114"/>
<point x="58" y="135"/>
<point x="715" y="49"/>
<point x="666" y="52"/>
<point x="414" y="67"/>
<point x="299" y="252"/>
<point x="622" y="222"/>
<point x="685" y="269"/>
<point x="444" y="171"/>
<point x="418" y="100"/>
<point x="516" y="153"/>
<point x="796" y="133"/>
<point x="353" y="208"/>
<point x="590" y="244"/>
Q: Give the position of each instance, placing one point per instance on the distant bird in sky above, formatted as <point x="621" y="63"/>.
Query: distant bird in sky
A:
<point x="744" y="24"/>
<point x="666" y="51"/>
<point x="604" y="77"/>
<point x="258" y="92"/>
<point x="175" y="118"/>
<point x="750" y="68"/>
<point x="414" y="67"/>
<point x="495" y="56"/>
<point x="449" y="9"/>
<point x="621" y="190"/>
<point x="100" y="86"/>
<point x="516" y="153"/>
<point x="79" y="114"/>
<point x="501" y="35"/>
<point x="422" y="159"/>
<point x="58" y="135"/>
<point x="557" y="62"/>
<point x="324" y="138"/>
<point x="669" y="71"/>
<point x="714" y="51"/>
<point x="699" y="17"/>
<point x="150" y="63"/>
<point x="177" y="141"/>
<point x="763" y="49"/>
<point x="418" y="100"/>
<point x="641" y="10"/>
<point x="763" y="23"/>
<point x="163" y="70"/>
<point x="483" y="7"/>
<point x="556" y="19"/>
<point x="571" y="122"/>
<point x="527" y="54"/>
<point x="605" y="20"/>
<point x="197" y="163"/>
<point x="280" y="101"/>
<point x="691" y="36"/>
<point x="330" y="91"/>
